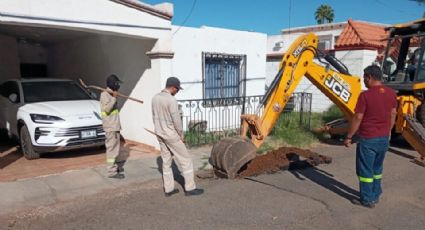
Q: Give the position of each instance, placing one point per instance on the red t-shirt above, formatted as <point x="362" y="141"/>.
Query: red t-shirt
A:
<point x="376" y="104"/>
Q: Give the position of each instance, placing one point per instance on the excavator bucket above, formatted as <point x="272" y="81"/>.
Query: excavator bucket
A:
<point x="229" y="155"/>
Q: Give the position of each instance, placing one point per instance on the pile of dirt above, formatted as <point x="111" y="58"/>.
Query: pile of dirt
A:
<point x="282" y="159"/>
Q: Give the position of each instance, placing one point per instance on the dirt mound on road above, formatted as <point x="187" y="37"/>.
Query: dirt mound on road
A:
<point x="282" y="159"/>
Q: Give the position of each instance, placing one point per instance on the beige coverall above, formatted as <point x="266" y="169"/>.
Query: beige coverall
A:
<point x="112" y="126"/>
<point x="168" y="126"/>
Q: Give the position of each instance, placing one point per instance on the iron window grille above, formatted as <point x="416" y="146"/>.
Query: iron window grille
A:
<point x="224" y="78"/>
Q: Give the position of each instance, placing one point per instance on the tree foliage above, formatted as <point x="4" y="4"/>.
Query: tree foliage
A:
<point x="419" y="1"/>
<point x="324" y="13"/>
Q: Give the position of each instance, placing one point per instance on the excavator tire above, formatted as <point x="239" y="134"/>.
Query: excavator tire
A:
<point x="230" y="154"/>
<point x="420" y="114"/>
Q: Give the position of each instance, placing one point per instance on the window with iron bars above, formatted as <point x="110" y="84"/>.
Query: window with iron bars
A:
<point x="223" y="78"/>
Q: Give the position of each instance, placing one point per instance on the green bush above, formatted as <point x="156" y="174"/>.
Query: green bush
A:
<point x="289" y="130"/>
<point x="331" y="114"/>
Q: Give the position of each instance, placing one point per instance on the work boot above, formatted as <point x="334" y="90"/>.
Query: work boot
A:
<point x="364" y="204"/>
<point x="117" y="176"/>
<point x="114" y="173"/>
<point x="120" y="166"/>
<point x="168" y="194"/>
<point x="120" y="169"/>
<point x="375" y="201"/>
<point x="194" y="192"/>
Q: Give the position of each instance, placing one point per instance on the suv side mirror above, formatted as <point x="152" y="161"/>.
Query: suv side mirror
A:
<point x="13" y="97"/>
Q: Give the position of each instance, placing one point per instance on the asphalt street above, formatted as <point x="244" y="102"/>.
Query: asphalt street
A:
<point x="313" y="198"/>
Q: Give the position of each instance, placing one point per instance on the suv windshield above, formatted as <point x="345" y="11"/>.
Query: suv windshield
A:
<point x="53" y="91"/>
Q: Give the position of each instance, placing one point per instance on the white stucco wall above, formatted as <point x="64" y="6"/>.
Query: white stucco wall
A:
<point x="9" y="64"/>
<point x="189" y="43"/>
<point x="357" y="60"/>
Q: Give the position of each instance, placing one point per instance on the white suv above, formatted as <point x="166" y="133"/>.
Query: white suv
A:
<point x="48" y="115"/>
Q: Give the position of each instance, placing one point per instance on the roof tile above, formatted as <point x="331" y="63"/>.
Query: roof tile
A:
<point x="362" y="34"/>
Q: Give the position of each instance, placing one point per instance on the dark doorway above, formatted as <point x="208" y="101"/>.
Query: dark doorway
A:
<point x="33" y="70"/>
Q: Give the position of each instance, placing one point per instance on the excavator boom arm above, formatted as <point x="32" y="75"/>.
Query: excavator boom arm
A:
<point x="342" y="89"/>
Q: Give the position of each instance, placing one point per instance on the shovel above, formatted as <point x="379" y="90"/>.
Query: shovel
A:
<point x="109" y="91"/>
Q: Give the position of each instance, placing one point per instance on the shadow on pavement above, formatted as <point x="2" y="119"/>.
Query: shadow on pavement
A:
<point x="8" y="155"/>
<point x="74" y="153"/>
<point x="338" y="141"/>
<point x="399" y="142"/>
<point x="400" y="153"/>
<point x="176" y="173"/>
<point x="9" y="150"/>
<point x="302" y="170"/>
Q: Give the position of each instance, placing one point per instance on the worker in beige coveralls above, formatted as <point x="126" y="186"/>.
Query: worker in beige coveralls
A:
<point x="112" y="126"/>
<point x="168" y="127"/>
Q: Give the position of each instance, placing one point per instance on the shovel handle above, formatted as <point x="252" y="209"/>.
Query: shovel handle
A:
<point x="103" y="89"/>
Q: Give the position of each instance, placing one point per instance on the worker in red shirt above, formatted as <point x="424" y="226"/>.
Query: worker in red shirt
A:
<point x="373" y="120"/>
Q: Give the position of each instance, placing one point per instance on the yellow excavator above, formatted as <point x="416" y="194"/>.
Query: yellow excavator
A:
<point x="333" y="79"/>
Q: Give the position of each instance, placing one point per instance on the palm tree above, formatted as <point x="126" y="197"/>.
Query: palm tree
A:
<point x="324" y="13"/>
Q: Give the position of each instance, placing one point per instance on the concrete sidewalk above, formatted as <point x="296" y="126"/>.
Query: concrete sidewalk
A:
<point x="45" y="190"/>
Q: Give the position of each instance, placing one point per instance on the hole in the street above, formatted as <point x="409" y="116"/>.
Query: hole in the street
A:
<point x="280" y="159"/>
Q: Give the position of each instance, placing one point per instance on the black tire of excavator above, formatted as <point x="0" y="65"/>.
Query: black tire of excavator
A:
<point x="420" y="113"/>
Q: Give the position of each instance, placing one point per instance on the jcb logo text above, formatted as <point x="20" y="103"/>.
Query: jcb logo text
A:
<point x="337" y="88"/>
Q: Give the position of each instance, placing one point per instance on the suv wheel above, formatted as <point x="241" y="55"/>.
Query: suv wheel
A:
<point x="26" y="144"/>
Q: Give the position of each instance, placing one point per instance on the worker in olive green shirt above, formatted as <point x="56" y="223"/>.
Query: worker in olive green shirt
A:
<point x="112" y="126"/>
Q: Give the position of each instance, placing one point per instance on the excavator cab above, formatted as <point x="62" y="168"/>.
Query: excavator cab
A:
<point x="404" y="63"/>
<point x="403" y="67"/>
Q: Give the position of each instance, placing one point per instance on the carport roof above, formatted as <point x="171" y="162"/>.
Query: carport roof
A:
<point x="146" y="8"/>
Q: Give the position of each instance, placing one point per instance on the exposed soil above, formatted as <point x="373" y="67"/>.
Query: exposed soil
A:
<point x="282" y="159"/>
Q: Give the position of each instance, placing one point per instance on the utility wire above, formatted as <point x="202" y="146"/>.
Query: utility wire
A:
<point x="393" y="8"/>
<point x="289" y="19"/>
<point x="187" y="17"/>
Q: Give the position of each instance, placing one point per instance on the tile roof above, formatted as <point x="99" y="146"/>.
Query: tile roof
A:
<point x="359" y="34"/>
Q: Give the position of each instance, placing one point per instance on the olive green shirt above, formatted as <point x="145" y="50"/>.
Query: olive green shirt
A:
<point x="109" y="112"/>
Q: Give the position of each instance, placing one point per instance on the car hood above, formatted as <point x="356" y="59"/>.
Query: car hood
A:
<point x="63" y="108"/>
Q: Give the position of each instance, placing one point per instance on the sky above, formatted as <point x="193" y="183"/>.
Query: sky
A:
<point x="271" y="16"/>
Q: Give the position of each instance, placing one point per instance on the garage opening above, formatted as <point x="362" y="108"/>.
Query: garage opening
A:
<point x="28" y="51"/>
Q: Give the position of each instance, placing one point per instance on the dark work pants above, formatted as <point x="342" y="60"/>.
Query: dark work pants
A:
<point x="370" y="154"/>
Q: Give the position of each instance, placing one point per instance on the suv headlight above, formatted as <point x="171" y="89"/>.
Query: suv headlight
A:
<point x="44" y="119"/>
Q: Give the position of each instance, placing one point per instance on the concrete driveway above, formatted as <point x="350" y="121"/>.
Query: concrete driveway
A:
<point x="13" y="165"/>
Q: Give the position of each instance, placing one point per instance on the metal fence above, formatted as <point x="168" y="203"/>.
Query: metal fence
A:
<point x="207" y="121"/>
